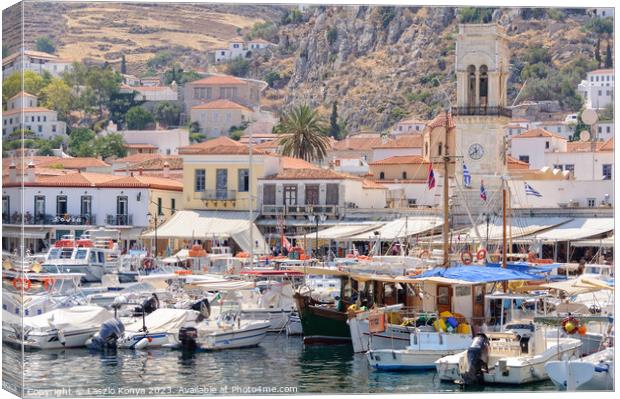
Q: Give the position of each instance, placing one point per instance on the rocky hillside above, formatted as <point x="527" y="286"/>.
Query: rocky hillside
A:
<point x="380" y="64"/>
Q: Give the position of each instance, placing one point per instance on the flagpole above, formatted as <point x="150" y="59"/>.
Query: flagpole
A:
<point x="504" y="265"/>
<point x="446" y="182"/>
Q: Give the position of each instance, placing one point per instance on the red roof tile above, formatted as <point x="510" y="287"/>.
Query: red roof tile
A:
<point x="221" y="104"/>
<point x="401" y="160"/>
<point x="538" y="132"/>
<point x="440" y="121"/>
<point x="219" y="80"/>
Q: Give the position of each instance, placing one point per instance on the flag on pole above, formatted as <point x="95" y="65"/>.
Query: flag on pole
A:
<point x="431" y="177"/>
<point x="285" y="243"/>
<point x="530" y="191"/>
<point x="466" y="177"/>
<point x="483" y="192"/>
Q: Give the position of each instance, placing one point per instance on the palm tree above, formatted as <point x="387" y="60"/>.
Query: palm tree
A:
<point x="302" y="134"/>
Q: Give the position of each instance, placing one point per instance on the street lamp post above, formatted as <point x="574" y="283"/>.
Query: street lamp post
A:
<point x="155" y="219"/>
<point x="316" y="217"/>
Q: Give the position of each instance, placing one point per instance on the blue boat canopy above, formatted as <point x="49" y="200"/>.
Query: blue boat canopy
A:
<point x="526" y="267"/>
<point x="478" y="274"/>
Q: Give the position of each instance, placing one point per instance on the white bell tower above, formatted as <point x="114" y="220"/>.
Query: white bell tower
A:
<point x="481" y="111"/>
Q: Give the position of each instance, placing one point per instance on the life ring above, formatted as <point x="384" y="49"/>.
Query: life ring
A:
<point x="48" y="283"/>
<point x="21" y="283"/>
<point x="570" y="325"/>
<point x="481" y="254"/>
<point x="466" y="258"/>
<point x="425" y="255"/>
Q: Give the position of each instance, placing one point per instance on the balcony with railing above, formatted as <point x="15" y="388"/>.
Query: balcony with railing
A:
<point x="299" y="210"/>
<point x="119" y="220"/>
<point x="482" y="111"/>
<point x="216" y="195"/>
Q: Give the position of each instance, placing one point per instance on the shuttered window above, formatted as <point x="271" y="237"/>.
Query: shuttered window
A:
<point x="269" y="194"/>
<point x="331" y="197"/>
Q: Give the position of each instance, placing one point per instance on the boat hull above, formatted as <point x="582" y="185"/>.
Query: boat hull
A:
<point x="591" y="373"/>
<point x="252" y="335"/>
<point x="50" y="340"/>
<point x="322" y="325"/>
<point x="92" y="273"/>
<point x="394" y="336"/>
<point x="278" y="318"/>
<point x="394" y="360"/>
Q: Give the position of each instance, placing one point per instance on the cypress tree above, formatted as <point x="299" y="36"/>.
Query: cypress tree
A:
<point x="123" y="64"/>
<point x="608" y="61"/>
<point x="334" y="128"/>
<point x="597" y="52"/>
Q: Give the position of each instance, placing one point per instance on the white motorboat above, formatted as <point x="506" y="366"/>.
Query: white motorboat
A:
<point x="59" y="328"/>
<point x="271" y="301"/>
<point x="228" y="330"/>
<point x="424" y="349"/>
<point x="395" y="336"/>
<point x="591" y="373"/>
<point x="92" y="257"/>
<point x="506" y="358"/>
<point x="157" y="329"/>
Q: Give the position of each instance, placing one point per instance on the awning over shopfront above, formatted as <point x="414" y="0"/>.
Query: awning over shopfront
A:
<point x="17" y="232"/>
<point x="607" y="242"/>
<point x="402" y="228"/>
<point x="519" y="227"/>
<point x="577" y="229"/>
<point x="209" y="225"/>
<point x="344" y="231"/>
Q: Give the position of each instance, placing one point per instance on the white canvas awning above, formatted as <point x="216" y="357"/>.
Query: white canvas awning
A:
<point x="208" y="225"/>
<point x="607" y="242"/>
<point x="402" y="228"/>
<point x="520" y="227"/>
<point x="16" y="232"/>
<point x="577" y="229"/>
<point x="343" y="231"/>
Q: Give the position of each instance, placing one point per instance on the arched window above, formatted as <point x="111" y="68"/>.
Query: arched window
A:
<point x="484" y="86"/>
<point x="471" y="86"/>
<point x="404" y="175"/>
<point x="381" y="176"/>
<point x="439" y="148"/>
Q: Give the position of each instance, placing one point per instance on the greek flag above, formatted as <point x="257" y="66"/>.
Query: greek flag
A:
<point x="466" y="177"/>
<point x="483" y="191"/>
<point x="530" y="191"/>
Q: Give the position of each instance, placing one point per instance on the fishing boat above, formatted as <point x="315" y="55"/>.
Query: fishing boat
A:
<point x="57" y="329"/>
<point x="322" y="323"/>
<point x="506" y="358"/>
<point x="425" y="347"/>
<point x="93" y="254"/>
<point x="591" y="373"/>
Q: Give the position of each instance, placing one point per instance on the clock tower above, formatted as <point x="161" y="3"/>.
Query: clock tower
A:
<point x="481" y="111"/>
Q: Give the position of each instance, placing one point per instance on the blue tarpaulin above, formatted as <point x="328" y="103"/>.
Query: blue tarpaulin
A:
<point x="526" y="267"/>
<point x="478" y="274"/>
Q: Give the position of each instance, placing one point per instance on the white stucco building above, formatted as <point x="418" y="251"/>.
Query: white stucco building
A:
<point x="36" y="61"/>
<point x="165" y="142"/>
<point x="238" y="48"/>
<point x="597" y="89"/>
<point x="532" y="146"/>
<point x="23" y="112"/>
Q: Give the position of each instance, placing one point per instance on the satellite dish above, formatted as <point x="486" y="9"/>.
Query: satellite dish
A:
<point x="589" y="116"/>
<point x="584" y="135"/>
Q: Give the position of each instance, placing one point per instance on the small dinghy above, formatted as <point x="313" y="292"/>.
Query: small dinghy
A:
<point x="590" y="373"/>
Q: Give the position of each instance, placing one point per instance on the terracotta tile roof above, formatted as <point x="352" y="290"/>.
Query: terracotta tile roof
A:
<point x="296" y="163"/>
<point x="219" y="80"/>
<point x="403" y="141"/>
<point x="267" y="146"/>
<point x="440" y="121"/>
<point x="144" y="145"/>
<point x="30" y="53"/>
<point x="23" y="93"/>
<point x="51" y="161"/>
<point x="25" y="110"/>
<point x="370" y="184"/>
<point x="602" y="71"/>
<point x="538" y="132"/>
<point x="308" y="174"/>
<point x="145" y="181"/>
<point x="359" y="143"/>
<point x="221" y="104"/>
<point x="174" y="163"/>
<point x="514" y="163"/>
<point x="583" y="146"/>
<point x="608" y="145"/>
<point x="220" y="146"/>
<point x="136" y="158"/>
<point x="401" y="160"/>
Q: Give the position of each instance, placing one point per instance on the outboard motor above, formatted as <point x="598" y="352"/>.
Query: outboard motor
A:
<point x="187" y="338"/>
<point x="203" y="307"/>
<point x="148" y="306"/>
<point x="111" y="330"/>
<point x="477" y="360"/>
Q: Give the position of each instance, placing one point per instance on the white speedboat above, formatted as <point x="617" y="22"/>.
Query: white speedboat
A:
<point x="59" y="328"/>
<point x="228" y="330"/>
<point x="157" y="329"/>
<point x="424" y="349"/>
<point x="271" y="301"/>
<point x="506" y="358"/>
<point x="590" y="373"/>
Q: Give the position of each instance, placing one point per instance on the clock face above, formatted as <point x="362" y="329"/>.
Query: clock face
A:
<point x="476" y="151"/>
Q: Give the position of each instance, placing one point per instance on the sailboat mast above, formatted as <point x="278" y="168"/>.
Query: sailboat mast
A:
<point x="504" y="246"/>
<point x="446" y="181"/>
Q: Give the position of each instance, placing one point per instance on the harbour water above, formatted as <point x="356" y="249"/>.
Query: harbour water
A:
<point x="280" y="365"/>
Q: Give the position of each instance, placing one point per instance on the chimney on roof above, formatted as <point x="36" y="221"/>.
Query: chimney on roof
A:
<point x="166" y="169"/>
<point x="12" y="172"/>
<point x="30" y="176"/>
<point x="140" y="170"/>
